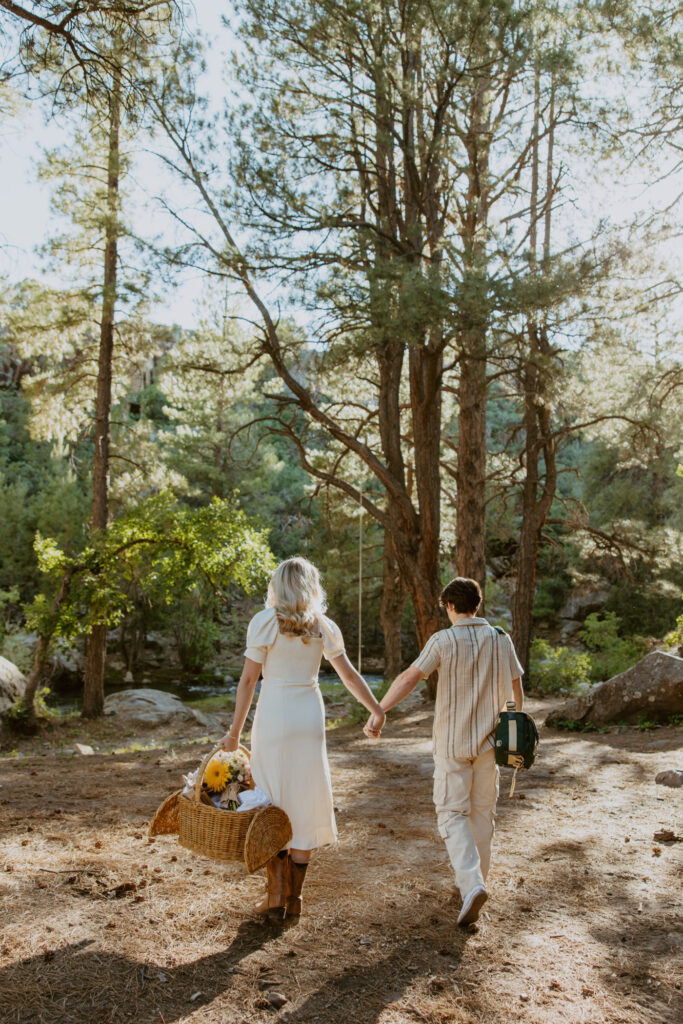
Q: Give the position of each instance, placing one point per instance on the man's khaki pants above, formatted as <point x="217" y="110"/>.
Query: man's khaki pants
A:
<point x="465" y="794"/>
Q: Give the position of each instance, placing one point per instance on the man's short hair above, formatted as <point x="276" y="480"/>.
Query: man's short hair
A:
<point x="463" y="594"/>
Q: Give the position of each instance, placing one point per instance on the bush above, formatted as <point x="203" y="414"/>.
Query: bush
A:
<point x="17" y="647"/>
<point x="559" y="669"/>
<point x="196" y="634"/>
<point x="642" y="608"/>
<point x="549" y="597"/>
<point x="610" y="653"/>
<point x="18" y="718"/>
<point x="675" y="637"/>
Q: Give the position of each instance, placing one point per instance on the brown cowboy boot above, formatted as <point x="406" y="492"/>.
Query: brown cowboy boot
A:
<point x="276" y="886"/>
<point x="296" y="874"/>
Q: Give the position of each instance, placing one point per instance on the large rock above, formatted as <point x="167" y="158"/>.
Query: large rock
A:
<point x="12" y="684"/>
<point x="149" y="708"/>
<point x="581" y="603"/>
<point x="653" y="688"/>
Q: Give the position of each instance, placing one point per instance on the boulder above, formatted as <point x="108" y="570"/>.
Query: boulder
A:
<point x="652" y="688"/>
<point x="673" y="778"/>
<point x="570" y="627"/>
<point x="581" y="603"/>
<point x="149" y="708"/>
<point x="12" y="684"/>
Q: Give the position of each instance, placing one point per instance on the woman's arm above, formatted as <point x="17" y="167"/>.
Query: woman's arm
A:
<point x="243" y="699"/>
<point x="359" y="689"/>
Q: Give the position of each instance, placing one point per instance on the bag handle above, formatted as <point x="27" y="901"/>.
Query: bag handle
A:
<point x="509" y="696"/>
<point x="196" y="796"/>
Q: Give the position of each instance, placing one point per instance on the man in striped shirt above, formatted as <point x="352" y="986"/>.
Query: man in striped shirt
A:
<point x="475" y="664"/>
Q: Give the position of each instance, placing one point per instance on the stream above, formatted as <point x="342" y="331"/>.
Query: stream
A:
<point x="189" y="689"/>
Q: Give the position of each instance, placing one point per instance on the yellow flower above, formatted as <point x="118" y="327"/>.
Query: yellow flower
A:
<point x="216" y="775"/>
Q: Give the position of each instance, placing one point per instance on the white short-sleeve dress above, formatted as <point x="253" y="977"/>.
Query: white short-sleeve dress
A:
<point x="288" y="750"/>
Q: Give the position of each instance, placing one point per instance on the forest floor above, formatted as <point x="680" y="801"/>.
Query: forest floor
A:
<point x="101" y="925"/>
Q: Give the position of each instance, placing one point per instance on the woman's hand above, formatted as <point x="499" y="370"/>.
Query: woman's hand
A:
<point x="373" y="726"/>
<point x="230" y="742"/>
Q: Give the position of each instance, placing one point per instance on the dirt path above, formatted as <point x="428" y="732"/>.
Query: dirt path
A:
<point x="102" y="926"/>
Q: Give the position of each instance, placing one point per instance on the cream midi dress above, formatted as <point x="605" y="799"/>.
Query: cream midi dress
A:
<point x="288" y="750"/>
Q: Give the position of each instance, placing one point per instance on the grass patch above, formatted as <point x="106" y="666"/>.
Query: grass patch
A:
<point x="219" y="702"/>
<point x="576" y="725"/>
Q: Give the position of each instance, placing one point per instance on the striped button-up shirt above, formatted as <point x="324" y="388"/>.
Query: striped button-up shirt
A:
<point x="475" y="664"/>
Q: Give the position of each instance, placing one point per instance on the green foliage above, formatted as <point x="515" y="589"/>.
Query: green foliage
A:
<point x="196" y="632"/>
<point x="643" y="607"/>
<point x="15" y="646"/>
<point x="558" y="669"/>
<point x="18" y="715"/>
<point x="549" y="597"/>
<point x="157" y="552"/>
<point x="576" y="725"/>
<point x="610" y="653"/>
<point x="8" y="598"/>
<point x="39" y="490"/>
<point x="675" y="636"/>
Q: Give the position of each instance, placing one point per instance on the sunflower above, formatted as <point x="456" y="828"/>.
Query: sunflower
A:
<point x="216" y="775"/>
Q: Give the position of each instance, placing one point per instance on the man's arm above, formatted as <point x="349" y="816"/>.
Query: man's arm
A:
<point x="402" y="685"/>
<point x="517" y="693"/>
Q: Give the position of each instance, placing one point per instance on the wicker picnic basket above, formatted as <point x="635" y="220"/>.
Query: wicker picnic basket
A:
<point x="252" y="836"/>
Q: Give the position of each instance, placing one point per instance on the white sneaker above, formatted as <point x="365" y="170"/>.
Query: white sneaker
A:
<point x="472" y="904"/>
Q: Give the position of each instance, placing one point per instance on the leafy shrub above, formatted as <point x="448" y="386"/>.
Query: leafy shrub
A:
<point x="559" y="669"/>
<point x="18" y="717"/>
<point x="610" y="653"/>
<point x="17" y="648"/>
<point x="196" y="635"/>
<point x="549" y="597"/>
<point x="576" y="725"/>
<point x="676" y="635"/>
<point x="642" y="608"/>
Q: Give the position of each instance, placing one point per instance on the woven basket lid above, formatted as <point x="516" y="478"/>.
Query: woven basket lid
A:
<point x="269" y="832"/>
<point x="166" y="820"/>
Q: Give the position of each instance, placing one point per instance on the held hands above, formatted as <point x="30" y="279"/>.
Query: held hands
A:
<point x="373" y="726"/>
<point x="229" y="743"/>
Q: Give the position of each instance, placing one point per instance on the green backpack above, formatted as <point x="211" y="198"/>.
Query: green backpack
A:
<point x="517" y="737"/>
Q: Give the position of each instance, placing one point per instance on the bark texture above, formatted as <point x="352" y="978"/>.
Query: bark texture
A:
<point x="392" y="604"/>
<point x="470" y="547"/>
<point x="96" y="650"/>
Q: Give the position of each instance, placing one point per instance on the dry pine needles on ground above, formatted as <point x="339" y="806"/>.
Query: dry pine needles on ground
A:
<point x="103" y="926"/>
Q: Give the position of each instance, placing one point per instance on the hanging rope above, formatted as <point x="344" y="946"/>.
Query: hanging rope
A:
<point x="360" y="575"/>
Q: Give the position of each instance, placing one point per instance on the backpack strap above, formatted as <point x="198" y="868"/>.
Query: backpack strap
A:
<point x="509" y="696"/>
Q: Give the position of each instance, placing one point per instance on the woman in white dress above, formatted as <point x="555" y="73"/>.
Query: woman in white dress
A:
<point x="286" y="642"/>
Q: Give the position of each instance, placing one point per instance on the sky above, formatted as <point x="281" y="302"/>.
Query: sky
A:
<point x="26" y="220"/>
<point x="25" y="216"/>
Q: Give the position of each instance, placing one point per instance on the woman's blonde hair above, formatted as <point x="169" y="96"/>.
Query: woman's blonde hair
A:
<point x="297" y="595"/>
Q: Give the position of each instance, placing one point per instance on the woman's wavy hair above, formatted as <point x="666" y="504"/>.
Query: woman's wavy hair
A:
<point x="297" y="595"/>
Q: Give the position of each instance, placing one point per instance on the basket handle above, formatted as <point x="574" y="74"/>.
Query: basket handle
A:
<point x="204" y="765"/>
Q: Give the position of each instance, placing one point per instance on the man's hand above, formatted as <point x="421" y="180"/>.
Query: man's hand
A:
<point x="373" y="726"/>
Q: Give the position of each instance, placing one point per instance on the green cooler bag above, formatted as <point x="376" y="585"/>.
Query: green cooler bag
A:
<point x="516" y="739"/>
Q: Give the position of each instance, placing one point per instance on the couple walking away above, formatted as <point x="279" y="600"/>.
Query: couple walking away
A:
<point x="286" y="642"/>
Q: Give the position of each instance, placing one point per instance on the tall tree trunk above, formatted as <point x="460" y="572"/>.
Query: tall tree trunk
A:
<point x="42" y="651"/>
<point x="470" y="545"/>
<point x="93" y="689"/>
<point x="391" y="611"/>
<point x="538" y="491"/>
